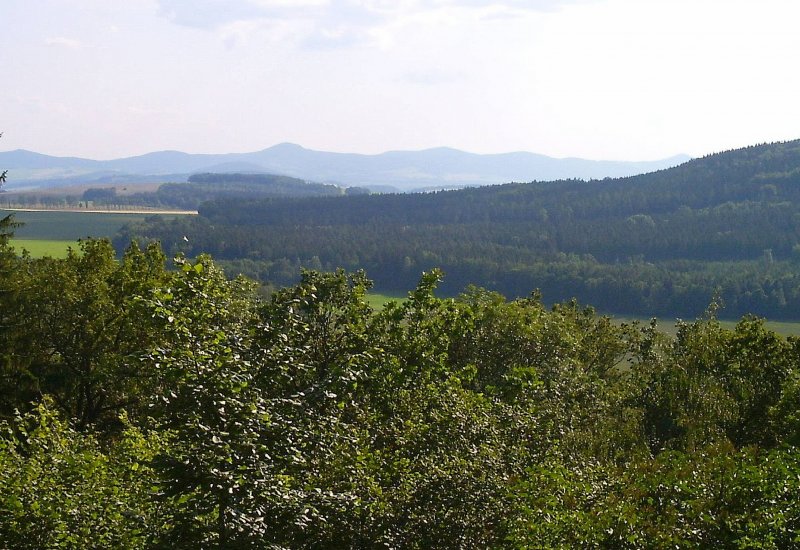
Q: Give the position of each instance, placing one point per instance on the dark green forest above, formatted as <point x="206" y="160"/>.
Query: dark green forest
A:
<point x="666" y="243"/>
<point x="151" y="408"/>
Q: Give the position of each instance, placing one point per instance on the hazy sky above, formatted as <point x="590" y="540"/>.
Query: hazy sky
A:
<point x="600" y="79"/>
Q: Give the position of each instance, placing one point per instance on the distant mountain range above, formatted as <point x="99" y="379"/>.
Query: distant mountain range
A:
<point x="395" y="170"/>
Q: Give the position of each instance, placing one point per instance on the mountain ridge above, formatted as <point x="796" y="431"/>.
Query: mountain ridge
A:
<point x="402" y="170"/>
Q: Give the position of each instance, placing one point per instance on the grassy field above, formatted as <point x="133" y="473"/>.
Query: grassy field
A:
<point x="784" y="328"/>
<point x="69" y="225"/>
<point x="377" y="301"/>
<point x="52" y="233"/>
<point x="39" y="248"/>
<point x="72" y="225"/>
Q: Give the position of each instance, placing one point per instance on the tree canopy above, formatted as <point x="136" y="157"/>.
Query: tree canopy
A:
<point x="153" y="408"/>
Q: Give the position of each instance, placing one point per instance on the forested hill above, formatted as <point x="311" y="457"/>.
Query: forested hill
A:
<point x="750" y="174"/>
<point x="209" y="186"/>
<point x="661" y="243"/>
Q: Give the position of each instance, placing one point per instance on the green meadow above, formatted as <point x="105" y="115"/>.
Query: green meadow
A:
<point x="377" y="301"/>
<point x="784" y="328"/>
<point x="52" y="233"/>
<point x="69" y="226"/>
<point x="39" y="248"/>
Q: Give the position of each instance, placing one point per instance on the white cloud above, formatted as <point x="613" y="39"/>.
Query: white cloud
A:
<point x="268" y="4"/>
<point x="148" y="111"/>
<point x="271" y="31"/>
<point x="433" y="77"/>
<point x="60" y="41"/>
<point x="337" y="23"/>
<point x="531" y="5"/>
<point x="211" y="14"/>
<point x="208" y="14"/>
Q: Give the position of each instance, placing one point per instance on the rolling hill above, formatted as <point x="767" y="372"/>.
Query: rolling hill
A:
<point x="397" y="170"/>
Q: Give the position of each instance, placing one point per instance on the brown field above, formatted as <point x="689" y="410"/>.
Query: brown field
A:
<point x="122" y="189"/>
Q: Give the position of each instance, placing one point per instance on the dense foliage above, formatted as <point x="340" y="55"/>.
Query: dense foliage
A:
<point x="657" y="244"/>
<point x="147" y="408"/>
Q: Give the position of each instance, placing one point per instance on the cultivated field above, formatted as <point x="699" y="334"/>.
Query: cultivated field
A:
<point x="71" y="225"/>
<point x="52" y="233"/>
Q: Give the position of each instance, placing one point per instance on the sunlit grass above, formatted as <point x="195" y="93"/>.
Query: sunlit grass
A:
<point x="39" y="248"/>
<point x="378" y="301"/>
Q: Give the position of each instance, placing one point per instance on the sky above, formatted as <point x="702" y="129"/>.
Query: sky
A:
<point x="596" y="79"/>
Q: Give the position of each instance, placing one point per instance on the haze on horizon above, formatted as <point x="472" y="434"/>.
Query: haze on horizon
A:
<point x="598" y="79"/>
